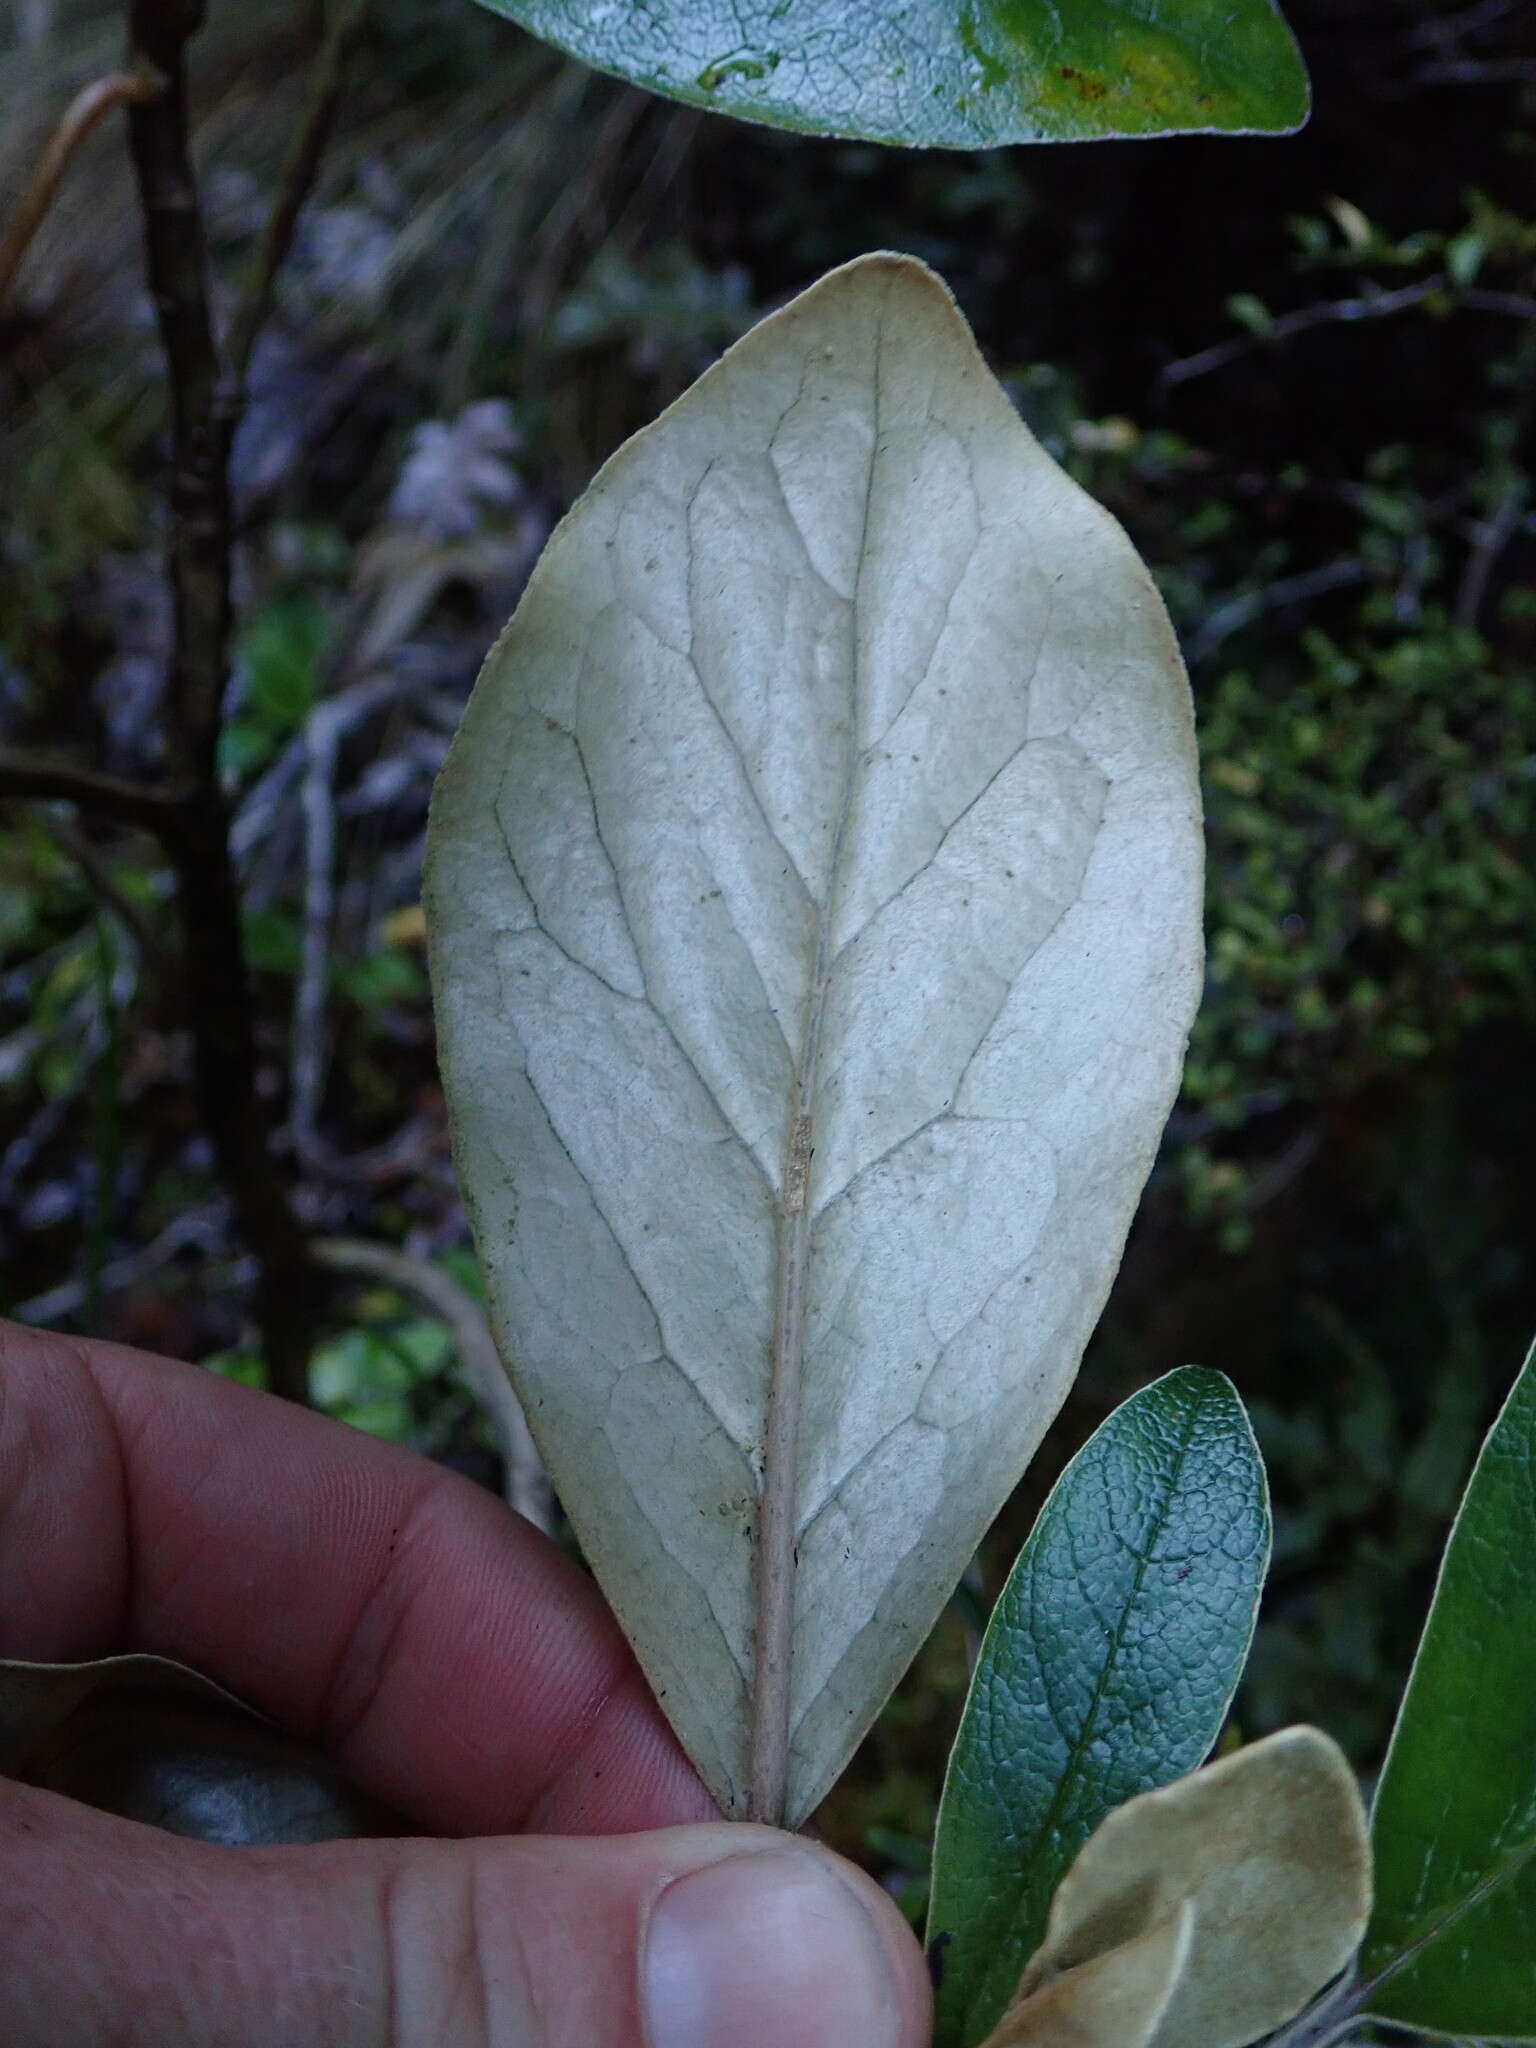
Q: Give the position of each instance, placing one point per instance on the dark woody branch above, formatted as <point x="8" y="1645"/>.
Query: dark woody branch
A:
<point x="188" y="814"/>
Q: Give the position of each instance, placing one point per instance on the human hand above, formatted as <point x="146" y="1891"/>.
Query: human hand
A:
<point x="575" y="1893"/>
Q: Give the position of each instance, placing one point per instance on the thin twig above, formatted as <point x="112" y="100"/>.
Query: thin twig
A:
<point x="295" y="182"/>
<point x="104" y="886"/>
<point x="322" y="736"/>
<point x="39" y="1130"/>
<point x="264" y="804"/>
<point x="217" y="984"/>
<point x="527" y="1487"/>
<point x="1493" y="536"/>
<point x="1446" y="28"/>
<point x="308" y="1031"/>
<point x="88" y="107"/>
<point x="1240" y="611"/>
<point x="108" y="796"/>
<point x="1282" y="1171"/>
<point x="1408" y="598"/>
<point x="1328" y="2020"/>
<point x="1372" y="305"/>
<point x="195" y="1229"/>
<point x="199" y="485"/>
<point x="1518" y="305"/>
<point x="1475" y="71"/>
<point x="190" y="816"/>
<point x="1369" y="306"/>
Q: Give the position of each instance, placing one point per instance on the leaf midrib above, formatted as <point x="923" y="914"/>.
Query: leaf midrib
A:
<point x="776" y="1560"/>
<point x="1110" y="1663"/>
<point x="1508" y="1871"/>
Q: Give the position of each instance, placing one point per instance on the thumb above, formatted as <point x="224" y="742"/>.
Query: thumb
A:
<point x="719" y="1936"/>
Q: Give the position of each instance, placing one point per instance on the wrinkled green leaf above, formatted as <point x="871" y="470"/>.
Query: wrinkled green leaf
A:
<point x="1268" y="1847"/>
<point x="813" y="889"/>
<point x="1106" y="1669"/>
<point x="1115" y="2001"/>
<point x="1453" y="1936"/>
<point x="953" y="74"/>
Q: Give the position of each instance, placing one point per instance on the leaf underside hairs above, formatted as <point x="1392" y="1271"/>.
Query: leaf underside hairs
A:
<point x="814" y="895"/>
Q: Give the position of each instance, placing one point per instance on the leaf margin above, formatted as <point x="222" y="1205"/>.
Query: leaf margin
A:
<point x="724" y="86"/>
<point x="1222" y="1388"/>
<point x="1381" y="1972"/>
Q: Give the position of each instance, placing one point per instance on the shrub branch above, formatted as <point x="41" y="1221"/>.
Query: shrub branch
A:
<point x="188" y="814"/>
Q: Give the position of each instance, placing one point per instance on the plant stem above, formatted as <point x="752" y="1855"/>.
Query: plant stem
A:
<point x="1328" y="2020"/>
<point x="301" y="167"/>
<point x="189" y="815"/>
<point x="224" y="1056"/>
<point x="527" y="1486"/>
<point x="88" y="107"/>
<point x="108" y="796"/>
<point x="198" y="562"/>
<point x="200" y="536"/>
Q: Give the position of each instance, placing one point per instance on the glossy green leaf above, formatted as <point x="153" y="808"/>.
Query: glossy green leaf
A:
<point x="1452" y="1941"/>
<point x="1106" y="1670"/>
<point x="953" y="74"/>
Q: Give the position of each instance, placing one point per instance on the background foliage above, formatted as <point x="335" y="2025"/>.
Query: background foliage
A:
<point x="1299" y="371"/>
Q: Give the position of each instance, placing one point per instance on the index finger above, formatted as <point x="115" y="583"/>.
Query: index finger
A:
<point x="444" y="1652"/>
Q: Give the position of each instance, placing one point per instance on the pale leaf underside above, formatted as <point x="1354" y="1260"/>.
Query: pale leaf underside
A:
<point x="814" y="898"/>
<point x="1116" y="2000"/>
<point x="1267" y="1847"/>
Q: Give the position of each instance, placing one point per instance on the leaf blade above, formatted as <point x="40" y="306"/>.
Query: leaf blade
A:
<point x="1267" y="1846"/>
<point x="156" y="1741"/>
<point x="36" y="1699"/>
<point x="831" y="665"/>
<point x="1454" y="1821"/>
<point x="1116" y="2000"/>
<point x="944" y="75"/>
<point x="1131" y="1608"/>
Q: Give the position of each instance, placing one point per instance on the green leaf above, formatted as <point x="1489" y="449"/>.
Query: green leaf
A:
<point x="1464" y="257"/>
<point x="1450" y="1942"/>
<point x="1106" y="1670"/>
<point x="362" y="1380"/>
<point x="278" y="653"/>
<point x="937" y="74"/>
<point x="1251" y="313"/>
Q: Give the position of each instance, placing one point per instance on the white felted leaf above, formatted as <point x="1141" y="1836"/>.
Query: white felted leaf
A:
<point x="814" y="896"/>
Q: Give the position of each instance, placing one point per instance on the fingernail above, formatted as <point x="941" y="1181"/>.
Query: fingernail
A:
<point x="766" y="1950"/>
